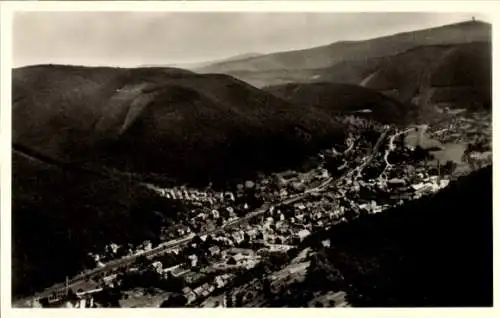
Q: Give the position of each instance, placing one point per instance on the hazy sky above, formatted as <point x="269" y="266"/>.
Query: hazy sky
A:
<point x="128" y="38"/>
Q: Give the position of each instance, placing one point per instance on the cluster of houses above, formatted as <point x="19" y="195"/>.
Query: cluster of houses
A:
<point x="195" y="195"/>
<point x="428" y="185"/>
<point x="233" y="258"/>
<point x="200" y="291"/>
<point x="278" y="230"/>
<point x="219" y="208"/>
<point x="229" y="259"/>
<point x="113" y="251"/>
<point x="237" y="258"/>
<point x="398" y="190"/>
<point x="68" y="297"/>
<point x="461" y="127"/>
<point x="65" y="302"/>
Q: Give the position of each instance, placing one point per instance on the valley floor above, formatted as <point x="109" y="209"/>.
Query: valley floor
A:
<point x="228" y="253"/>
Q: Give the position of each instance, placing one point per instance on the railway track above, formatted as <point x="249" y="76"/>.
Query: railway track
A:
<point x="165" y="247"/>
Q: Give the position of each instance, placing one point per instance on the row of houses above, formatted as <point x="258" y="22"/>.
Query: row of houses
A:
<point x="204" y="290"/>
<point x="192" y="194"/>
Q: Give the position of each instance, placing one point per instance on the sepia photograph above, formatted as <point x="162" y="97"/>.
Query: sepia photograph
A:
<point x="212" y="159"/>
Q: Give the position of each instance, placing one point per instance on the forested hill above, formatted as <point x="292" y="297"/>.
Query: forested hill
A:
<point x="436" y="251"/>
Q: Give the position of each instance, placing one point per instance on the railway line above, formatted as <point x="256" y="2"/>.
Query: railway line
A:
<point x="170" y="245"/>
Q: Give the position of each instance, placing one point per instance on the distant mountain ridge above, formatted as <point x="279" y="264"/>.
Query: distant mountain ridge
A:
<point x="331" y="54"/>
<point x="195" y="65"/>
<point x="443" y="65"/>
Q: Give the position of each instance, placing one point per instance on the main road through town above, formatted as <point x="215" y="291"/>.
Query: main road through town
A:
<point x="391" y="147"/>
<point x="170" y="245"/>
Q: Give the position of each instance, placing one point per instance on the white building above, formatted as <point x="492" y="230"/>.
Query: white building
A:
<point x="157" y="266"/>
<point x="215" y="214"/>
<point x="326" y="243"/>
<point x="170" y="269"/>
<point x="194" y="260"/>
<point x="444" y="183"/>
<point x="302" y="234"/>
<point x="279" y="247"/>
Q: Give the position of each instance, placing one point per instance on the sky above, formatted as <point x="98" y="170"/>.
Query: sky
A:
<point x="136" y="38"/>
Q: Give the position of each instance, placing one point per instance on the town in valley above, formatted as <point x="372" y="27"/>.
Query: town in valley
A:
<point x="351" y="174"/>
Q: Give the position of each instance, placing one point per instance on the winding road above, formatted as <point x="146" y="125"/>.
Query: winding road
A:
<point x="421" y="129"/>
<point x="170" y="245"/>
